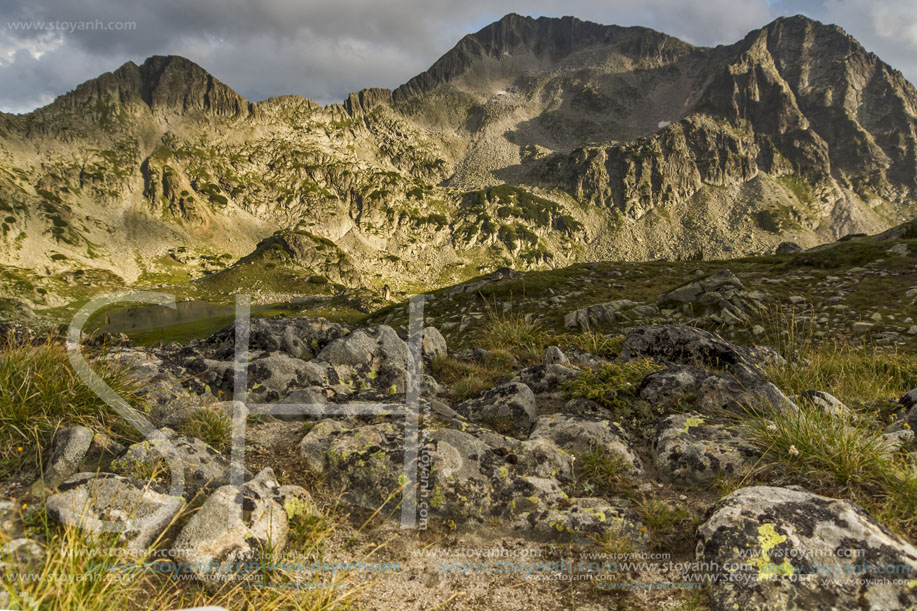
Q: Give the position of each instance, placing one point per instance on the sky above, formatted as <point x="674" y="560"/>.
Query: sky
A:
<point x="324" y="50"/>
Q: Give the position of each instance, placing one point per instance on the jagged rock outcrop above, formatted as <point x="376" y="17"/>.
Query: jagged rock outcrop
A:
<point x="533" y="143"/>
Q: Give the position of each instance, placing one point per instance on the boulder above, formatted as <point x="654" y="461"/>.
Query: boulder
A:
<point x="275" y="375"/>
<point x="742" y="391"/>
<point x="782" y="548"/>
<point x="373" y="356"/>
<point x="721" y="297"/>
<point x="109" y="503"/>
<point x="151" y="461"/>
<point x="688" y="449"/>
<point x="787" y="248"/>
<point x="555" y="356"/>
<point x="683" y="345"/>
<point x="68" y="449"/>
<point x="300" y="337"/>
<point x="597" y="315"/>
<point x="580" y="435"/>
<point x="673" y="387"/>
<point x="508" y="408"/>
<point x="229" y="535"/>
<point x="433" y="344"/>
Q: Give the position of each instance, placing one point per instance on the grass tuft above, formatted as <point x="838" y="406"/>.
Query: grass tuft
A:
<point x="40" y="393"/>
<point x="843" y="456"/>
<point x="213" y="427"/>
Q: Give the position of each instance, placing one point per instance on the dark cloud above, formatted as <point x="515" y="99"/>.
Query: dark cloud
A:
<point x="324" y="50"/>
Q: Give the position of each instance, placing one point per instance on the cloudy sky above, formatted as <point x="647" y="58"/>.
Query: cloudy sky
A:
<point x="325" y="49"/>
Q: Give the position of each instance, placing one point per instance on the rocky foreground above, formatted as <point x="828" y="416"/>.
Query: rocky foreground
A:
<point x="506" y="461"/>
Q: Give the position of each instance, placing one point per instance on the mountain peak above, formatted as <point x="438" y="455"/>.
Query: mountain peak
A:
<point x="163" y="83"/>
<point x="545" y="39"/>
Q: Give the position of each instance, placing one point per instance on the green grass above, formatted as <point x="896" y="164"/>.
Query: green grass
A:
<point x="514" y="333"/>
<point x="854" y="374"/>
<point x="670" y="528"/>
<point x="599" y="473"/>
<point x="841" y="456"/>
<point x="613" y="385"/>
<point x="40" y="393"/>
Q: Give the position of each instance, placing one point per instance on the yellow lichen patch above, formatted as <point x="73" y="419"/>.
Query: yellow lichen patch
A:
<point x="692" y="421"/>
<point x="296" y="507"/>
<point x="768" y="539"/>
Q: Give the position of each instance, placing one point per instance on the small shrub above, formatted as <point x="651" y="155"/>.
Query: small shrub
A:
<point x="614" y="385"/>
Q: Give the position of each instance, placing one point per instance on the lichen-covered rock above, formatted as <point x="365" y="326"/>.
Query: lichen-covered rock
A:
<point x="581" y="520"/>
<point x="743" y="391"/>
<point x="301" y="337"/>
<point x="109" y="503"/>
<point x="373" y="356"/>
<point x="275" y="375"/>
<point x="314" y="446"/>
<point x="508" y="408"/>
<point x="580" y="435"/>
<point x="672" y="387"/>
<point x="367" y="462"/>
<point x="228" y="535"/>
<point x="780" y="548"/>
<point x="464" y="469"/>
<point x="687" y="449"/>
<point x="682" y="345"/>
<point x="541" y="457"/>
<point x="295" y="500"/>
<point x="740" y="389"/>
<point x="152" y="461"/>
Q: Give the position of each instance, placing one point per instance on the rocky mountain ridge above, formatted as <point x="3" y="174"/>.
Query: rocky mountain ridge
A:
<point x="533" y="143"/>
